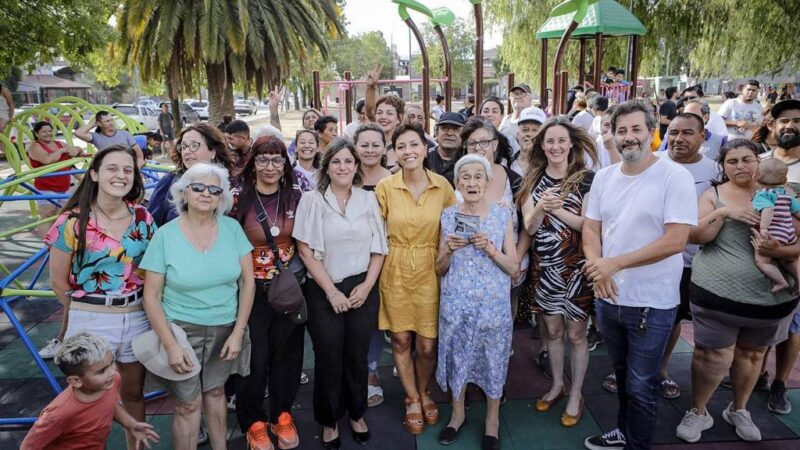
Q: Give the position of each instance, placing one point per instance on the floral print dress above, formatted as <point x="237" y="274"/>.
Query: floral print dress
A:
<point x="108" y="266"/>
<point x="475" y="325"/>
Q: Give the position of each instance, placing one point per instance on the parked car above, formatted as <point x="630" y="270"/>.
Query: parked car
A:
<point x="148" y="103"/>
<point x="245" y="107"/>
<point x="142" y="114"/>
<point x="200" y="107"/>
<point x="188" y="115"/>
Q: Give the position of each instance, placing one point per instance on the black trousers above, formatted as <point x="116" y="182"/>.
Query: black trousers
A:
<point x="341" y="344"/>
<point x="276" y="357"/>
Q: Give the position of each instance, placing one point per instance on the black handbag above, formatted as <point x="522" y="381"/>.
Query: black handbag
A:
<point x="283" y="292"/>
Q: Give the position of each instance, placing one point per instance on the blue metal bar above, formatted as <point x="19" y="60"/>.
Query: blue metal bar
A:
<point x="39" y="271"/>
<point x="26" y="340"/>
<point x="11" y="198"/>
<point x="154" y="394"/>
<point x="63" y="173"/>
<point x="18" y="421"/>
<point x="38" y="192"/>
<point x="22" y="268"/>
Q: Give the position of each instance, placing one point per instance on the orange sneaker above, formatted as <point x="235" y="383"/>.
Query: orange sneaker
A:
<point x="285" y="432"/>
<point x="257" y="437"/>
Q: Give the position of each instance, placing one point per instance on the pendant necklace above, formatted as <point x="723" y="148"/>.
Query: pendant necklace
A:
<point x="273" y="230"/>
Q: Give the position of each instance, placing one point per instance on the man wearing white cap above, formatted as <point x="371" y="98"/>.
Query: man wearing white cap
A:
<point x="520" y="99"/>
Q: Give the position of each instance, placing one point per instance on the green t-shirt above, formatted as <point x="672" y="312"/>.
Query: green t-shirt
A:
<point x="199" y="288"/>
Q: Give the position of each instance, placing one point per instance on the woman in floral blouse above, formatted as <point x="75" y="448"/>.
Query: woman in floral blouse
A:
<point x="96" y="245"/>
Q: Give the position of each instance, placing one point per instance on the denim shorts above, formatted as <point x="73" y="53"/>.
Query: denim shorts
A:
<point x="795" y="326"/>
<point x="118" y="329"/>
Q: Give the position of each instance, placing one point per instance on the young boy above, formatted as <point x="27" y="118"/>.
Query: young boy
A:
<point x="777" y="208"/>
<point x="80" y="416"/>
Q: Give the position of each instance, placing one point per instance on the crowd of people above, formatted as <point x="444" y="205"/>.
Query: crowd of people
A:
<point x="438" y="243"/>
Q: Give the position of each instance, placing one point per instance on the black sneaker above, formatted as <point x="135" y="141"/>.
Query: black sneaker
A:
<point x="777" y="401"/>
<point x="611" y="440"/>
<point x="543" y="361"/>
<point x="202" y="436"/>
<point x="594" y="339"/>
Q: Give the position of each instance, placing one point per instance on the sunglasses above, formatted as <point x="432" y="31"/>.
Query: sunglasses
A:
<point x="200" y="187"/>
<point x="688" y="97"/>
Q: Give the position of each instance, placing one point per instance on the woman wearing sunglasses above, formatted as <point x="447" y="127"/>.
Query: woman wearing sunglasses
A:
<point x="196" y="143"/>
<point x="200" y="277"/>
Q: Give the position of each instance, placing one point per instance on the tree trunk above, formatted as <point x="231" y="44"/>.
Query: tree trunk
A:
<point x="227" y="95"/>
<point x="296" y="100"/>
<point x="216" y="90"/>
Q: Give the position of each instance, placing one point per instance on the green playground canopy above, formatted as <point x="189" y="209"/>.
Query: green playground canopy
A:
<point x="605" y="16"/>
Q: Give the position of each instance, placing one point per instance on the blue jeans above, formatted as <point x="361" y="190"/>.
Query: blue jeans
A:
<point x="375" y="350"/>
<point x="636" y="355"/>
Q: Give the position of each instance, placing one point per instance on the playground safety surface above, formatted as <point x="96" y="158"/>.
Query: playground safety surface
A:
<point x="24" y="392"/>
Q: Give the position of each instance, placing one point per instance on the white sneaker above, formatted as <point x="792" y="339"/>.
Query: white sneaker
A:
<point x="49" y="351"/>
<point x="394" y="372"/>
<point x="740" y="419"/>
<point x="692" y="426"/>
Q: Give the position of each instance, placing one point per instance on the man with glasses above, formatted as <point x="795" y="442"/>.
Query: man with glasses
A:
<point x="743" y="114"/>
<point x="715" y="123"/>
<point x="442" y="158"/>
<point x="520" y="99"/>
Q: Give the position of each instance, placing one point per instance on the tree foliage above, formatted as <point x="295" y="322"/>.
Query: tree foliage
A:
<point x="359" y="53"/>
<point x="726" y="38"/>
<point x="37" y="31"/>
<point x="461" y="42"/>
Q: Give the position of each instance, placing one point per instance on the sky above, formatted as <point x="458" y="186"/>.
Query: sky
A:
<point x="381" y="15"/>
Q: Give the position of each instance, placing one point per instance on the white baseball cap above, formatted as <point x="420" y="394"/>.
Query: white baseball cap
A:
<point x="532" y="113"/>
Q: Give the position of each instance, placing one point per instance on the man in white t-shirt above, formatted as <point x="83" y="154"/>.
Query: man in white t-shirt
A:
<point x="743" y="114"/>
<point x="637" y="223"/>
<point x="520" y="99"/>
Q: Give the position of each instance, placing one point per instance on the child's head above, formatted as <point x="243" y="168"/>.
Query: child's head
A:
<point x="772" y="172"/>
<point x="87" y="362"/>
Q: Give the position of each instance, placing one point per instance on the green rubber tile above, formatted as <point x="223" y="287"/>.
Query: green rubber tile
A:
<point x="163" y="426"/>
<point x="792" y="421"/>
<point x="529" y="428"/>
<point x="472" y="433"/>
<point x="17" y="362"/>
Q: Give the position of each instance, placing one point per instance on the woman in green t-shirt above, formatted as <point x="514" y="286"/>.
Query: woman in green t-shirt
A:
<point x="200" y="277"/>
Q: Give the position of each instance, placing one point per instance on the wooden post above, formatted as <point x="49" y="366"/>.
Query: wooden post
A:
<point x="478" y="52"/>
<point x="562" y="47"/>
<point x="598" y="60"/>
<point x="448" y="70"/>
<point x="348" y="100"/>
<point x="543" y="76"/>
<point x="563" y="94"/>
<point x="582" y="62"/>
<point x="509" y="85"/>
<point x="634" y="72"/>
<point x="426" y="81"/>
<point x="315" y="82"/>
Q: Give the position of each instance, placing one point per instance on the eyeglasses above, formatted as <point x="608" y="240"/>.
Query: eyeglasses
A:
<point x="687" y="98"/>
<point x="216" y="191"/>
<point x="472" y="145"/>
<point x="264" y="161"/>
<point x="192" y="147"/>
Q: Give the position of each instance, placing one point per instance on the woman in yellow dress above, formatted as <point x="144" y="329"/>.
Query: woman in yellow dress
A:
<point x="412" y="202"/>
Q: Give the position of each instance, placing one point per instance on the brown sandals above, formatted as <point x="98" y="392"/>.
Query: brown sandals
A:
<point x="431" y="411"/>
<point x="414" y="420"/>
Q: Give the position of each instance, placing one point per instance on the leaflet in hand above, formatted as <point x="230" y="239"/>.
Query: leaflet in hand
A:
<point x="467" y="225"/>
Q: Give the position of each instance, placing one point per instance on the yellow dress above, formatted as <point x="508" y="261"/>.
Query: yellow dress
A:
<point x="409" y="286"/>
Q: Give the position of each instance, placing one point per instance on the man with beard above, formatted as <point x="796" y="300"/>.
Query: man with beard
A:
<point x="442" y="158"/>
<point x="530" y="120"/>
<point x="787" y="133"/>
<point x="636" y="225"/>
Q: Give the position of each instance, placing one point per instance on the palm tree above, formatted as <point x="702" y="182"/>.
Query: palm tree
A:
<point x="250" y="41"/>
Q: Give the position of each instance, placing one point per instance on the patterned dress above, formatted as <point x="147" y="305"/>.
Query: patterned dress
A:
<point x="475" y="324"/>
<point x="561" y="288"/>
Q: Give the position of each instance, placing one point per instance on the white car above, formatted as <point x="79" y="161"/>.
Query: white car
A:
<point x="245" y="107"/>
<point x="200" y="107"/>
<point x="145" y="116"/>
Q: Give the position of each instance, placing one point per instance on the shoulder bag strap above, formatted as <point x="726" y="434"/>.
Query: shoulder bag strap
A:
<point x="262" y="219"/>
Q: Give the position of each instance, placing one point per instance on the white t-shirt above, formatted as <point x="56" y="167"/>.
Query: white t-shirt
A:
<point x="351" y="128"/>
<point x="602" y="153"/>
<point x="736" y="109"/>
<point x="633" y="211"/>
<point x="716" y="124"/>
<point x="584" y="120"/>
<point x="704" y="172"/>
<point x="597" y="127"/>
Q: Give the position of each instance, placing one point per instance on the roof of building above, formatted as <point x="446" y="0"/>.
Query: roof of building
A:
<point x="53" y="82"/>
<point x="605" y="16"/>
